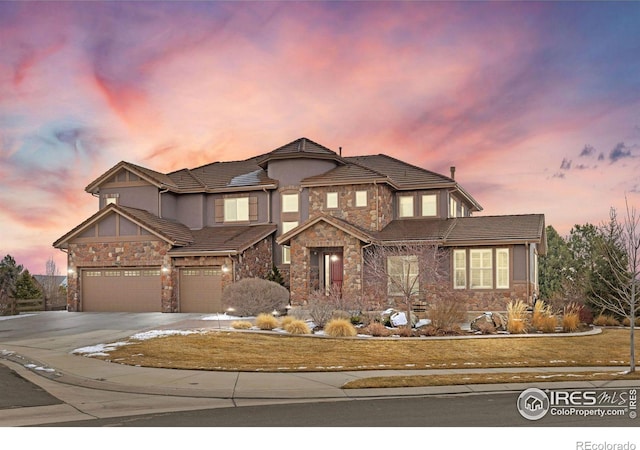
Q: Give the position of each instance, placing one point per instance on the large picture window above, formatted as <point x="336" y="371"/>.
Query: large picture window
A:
<point x="236" y="209"/>
<point x="403" y="275"/>
<point x="481" y="269"/>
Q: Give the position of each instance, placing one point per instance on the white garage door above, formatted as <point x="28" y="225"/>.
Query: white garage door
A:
<point x="201" y="290"/>
<point x="121" y="290"/>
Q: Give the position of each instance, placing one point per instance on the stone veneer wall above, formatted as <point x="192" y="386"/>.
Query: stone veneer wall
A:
<point x="256" y="261"/>
<point x="117" y="255"/>
<point x="323" y="235"/>
<point x="375" y="216"/>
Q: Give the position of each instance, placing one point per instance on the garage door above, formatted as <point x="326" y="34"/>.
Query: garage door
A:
<point x="201" y="290"/>
<point x="121" y="290"/>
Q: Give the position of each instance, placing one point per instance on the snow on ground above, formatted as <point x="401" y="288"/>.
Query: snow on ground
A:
<point x="224" y="316"/>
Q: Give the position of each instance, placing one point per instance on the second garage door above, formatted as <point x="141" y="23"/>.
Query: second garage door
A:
<point x="121" y="290"/>
<point x="201" y="290"/>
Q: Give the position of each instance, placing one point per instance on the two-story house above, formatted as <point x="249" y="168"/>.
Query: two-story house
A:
<point x="172" y="242"/>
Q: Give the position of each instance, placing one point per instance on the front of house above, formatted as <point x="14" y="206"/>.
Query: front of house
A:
<point x="172" y="242"/>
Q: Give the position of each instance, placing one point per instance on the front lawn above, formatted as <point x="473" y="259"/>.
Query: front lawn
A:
<point x="250" y="351"/>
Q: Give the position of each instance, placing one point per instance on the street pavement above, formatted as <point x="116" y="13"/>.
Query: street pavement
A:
<point x="38" y="348"/>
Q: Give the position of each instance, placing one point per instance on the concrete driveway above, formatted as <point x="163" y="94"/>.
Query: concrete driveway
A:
<point x="65" y="331"/>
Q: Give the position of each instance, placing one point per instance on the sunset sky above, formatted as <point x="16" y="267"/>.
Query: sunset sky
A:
<point x="536" y="104"/>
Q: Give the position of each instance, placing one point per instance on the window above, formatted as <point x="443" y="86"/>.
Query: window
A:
<point x="236" y="209"/>
<point x="361" y="199"/>
<point x="290" y="203"/>
<point x="453" y="207"/>
<point x="288" y="226"/>
<point x="405" y="206"/>
<point x="332" y="199"/>
<point x="481" y="269"/>
<point x="502" y="268"/>
<point x="286" y="254"/>
<point x="403" y="275"/>
<point x="459" y="269"/>
<point x="429" y="208"/>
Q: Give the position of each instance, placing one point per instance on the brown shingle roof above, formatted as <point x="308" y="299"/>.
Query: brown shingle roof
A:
<point x="225" y="240"/>
<point x="415" y="230"/>
<point x="300" y="148"/>
<point x="173" y="232"/>
<point x="220" y="176"/>
<point x="521" y="228"/>
<point x="347" y="174"/>
<point x="347" y="227"/>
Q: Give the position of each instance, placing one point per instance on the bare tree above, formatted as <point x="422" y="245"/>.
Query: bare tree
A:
<point x="50" y="285"/>
<point x="405" y="269"/>
<point x="620" y="243"/>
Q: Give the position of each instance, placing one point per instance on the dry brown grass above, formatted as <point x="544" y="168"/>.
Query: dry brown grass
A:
<point x="241" y="324"/>
<point x="484" y="378"/>
<point x="297" y="326"/>
<point x="517" y="317"/>
<point x="235" y="351"/>
<point x="570" y="322"/>
<point x="340" y="328"/>
<point x="606" y="320"/>
<point x="266" y="322"/>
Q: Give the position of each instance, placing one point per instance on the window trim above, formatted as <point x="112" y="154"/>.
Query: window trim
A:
<point x="453" y="207"/>
<point x="286" y="254"/>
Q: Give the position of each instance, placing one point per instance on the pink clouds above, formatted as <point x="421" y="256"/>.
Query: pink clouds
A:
<point x="504" y="91"/>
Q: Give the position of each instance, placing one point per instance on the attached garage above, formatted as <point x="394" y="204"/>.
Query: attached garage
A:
<point x="201" y="290"/>
<point x="121" y="290"/>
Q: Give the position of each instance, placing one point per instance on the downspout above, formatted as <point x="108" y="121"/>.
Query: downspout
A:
<point x="268" y="204"/>
<point x="527" y="247"/>
<point x="375" y="184"/>
<point x="162" y="191"/>
<point x="362" y="267"/>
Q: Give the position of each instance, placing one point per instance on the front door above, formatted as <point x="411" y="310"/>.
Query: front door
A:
<point x="333" y="271"/>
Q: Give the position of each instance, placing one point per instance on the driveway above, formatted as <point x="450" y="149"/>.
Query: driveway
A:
<point x="65" y="331"/>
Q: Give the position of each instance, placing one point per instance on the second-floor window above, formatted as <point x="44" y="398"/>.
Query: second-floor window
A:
<point x="290" y="203"/>
<point x="429" y="208"/>
<point x="453" y="207"/>
<point x="236" y="209"/>
<point x="405" y="206"/>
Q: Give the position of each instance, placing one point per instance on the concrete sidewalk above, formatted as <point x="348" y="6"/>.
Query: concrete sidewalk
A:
<point x="92" y="388"/>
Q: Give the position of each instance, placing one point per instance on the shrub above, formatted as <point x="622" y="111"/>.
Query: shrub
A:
<point x="627" y="322"/>
<point x="340" y="328"/>
<point x="606" y="320"/>
<point x="570" y="321"/>
<point x="241" y="324"/>
<point x="447" y="312"/>
<point x="404" y="331"/>
<point x="486" y="328"/>
<point x="541" y="312"/>
<point x="286" y="320"/>
<point x="516" y="317"/>
<point x="297" y="326"/>
<point x="323" y="306"/>
<point x="266" y="322"/>
<point x="252" y="296"/>
<point x="548" y="324"/>
<point x="377" y="329"/>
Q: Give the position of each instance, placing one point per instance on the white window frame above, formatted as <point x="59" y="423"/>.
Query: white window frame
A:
<point x="407" y="268"/>
<point x="406" y="206"/>
<point x="233" y="211"/>
<point x="481" y="275"/>
<point x="332" y="200"/>
<point x="459" y="269"/>
<point x="290" y="203"/>
<point x="502" y="268"/>
<point x="361" y="199"/>
<point x="427" y="204"/>
<point x="288" y="226"/>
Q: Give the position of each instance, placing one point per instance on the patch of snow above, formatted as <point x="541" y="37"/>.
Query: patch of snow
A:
<point x="98" y="350"/>
<point x="423" y="322"/>
<point x="17" y="316"/>
<point x="6" y="353"/>
<point x="152" y="334"/>
<point x="246" y="179"/>
<point x="224" y="316"/>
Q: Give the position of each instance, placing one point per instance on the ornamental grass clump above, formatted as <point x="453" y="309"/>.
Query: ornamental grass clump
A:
<point x="241" y="325"/>
<point x="377" y="329"/>
<point x="571" y="317"/>
<point x="517" y="317"/>
<point x="340" y="328"/>
<point x="297" y="326"/>
<point x="540" y="319"/>
<point x="266" y="322"/>
<point x="286" y="320"/>
<point x="606" y="320"/>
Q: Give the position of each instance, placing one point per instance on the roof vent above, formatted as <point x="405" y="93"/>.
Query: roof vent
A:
<point x="453" y="172"/>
